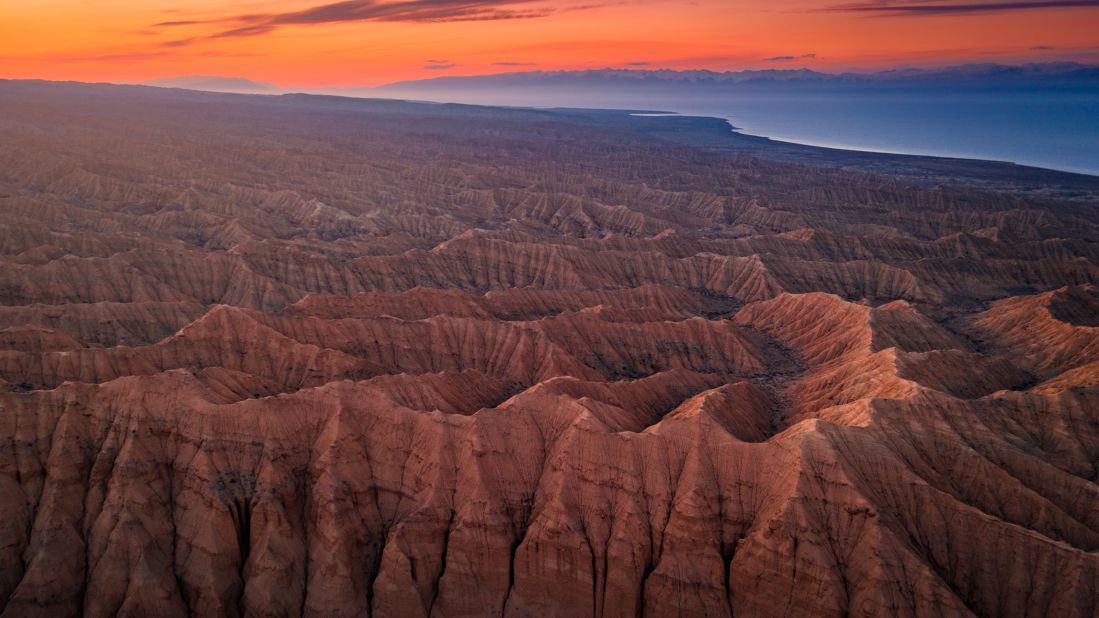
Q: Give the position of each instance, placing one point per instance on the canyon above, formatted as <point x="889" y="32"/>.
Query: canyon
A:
<point x="318" y="356"/>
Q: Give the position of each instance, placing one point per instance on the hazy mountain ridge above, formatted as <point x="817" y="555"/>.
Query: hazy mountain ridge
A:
<point x="1060" y="72"/>
<point x="1048" y="73"/>
<point x="215" y="83"/>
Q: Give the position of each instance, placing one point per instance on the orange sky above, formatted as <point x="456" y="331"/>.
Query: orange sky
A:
<point x="367" y="42"/>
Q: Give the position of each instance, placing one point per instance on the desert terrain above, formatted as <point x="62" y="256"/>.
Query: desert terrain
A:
<point x="317" y="356"/>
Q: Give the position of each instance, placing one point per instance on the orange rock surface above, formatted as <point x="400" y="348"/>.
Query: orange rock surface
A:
<point x="282" y="356"/>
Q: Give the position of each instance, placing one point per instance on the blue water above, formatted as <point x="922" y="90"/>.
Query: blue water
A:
<point x="1053" y="130"/>
<point x="1046" y="126"/>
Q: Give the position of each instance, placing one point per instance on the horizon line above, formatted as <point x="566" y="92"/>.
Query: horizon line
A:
<point x="618" y="69"/>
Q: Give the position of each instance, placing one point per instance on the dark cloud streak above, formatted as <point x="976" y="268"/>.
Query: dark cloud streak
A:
<point x="244" y="31"/>
<point x="789" y="58"/>
<point x="415" y="11"/>
<point x="917" y="8"/>
<point x="408" y="10"/>
<point x="419" y="11"/>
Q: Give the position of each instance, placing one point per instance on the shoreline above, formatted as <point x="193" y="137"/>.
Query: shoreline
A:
<point x="780" y="142"/>
<point x="868" y="150"/>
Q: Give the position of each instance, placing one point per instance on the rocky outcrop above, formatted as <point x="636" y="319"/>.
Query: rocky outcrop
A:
<point x="286" y="356"/>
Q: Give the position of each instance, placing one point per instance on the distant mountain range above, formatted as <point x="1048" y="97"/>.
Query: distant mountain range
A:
<point x="695" y="91"/>
<point x="630" y="81"/>
<point x="664" y="89"/>
<point x="214" y="83"/>
<point x="1060" y="72"/>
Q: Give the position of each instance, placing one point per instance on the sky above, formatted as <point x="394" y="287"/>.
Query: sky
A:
<point x="369" y="42"/>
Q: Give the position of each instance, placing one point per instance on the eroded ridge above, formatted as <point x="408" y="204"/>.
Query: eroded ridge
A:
<point x="324" y="357"/>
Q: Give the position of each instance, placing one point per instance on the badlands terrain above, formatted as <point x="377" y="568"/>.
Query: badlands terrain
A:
<point x="297" y="355"/>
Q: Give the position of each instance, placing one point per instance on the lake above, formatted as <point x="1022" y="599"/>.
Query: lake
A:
<point x="1059" y="131"/>
<point x="1046" y="125"/>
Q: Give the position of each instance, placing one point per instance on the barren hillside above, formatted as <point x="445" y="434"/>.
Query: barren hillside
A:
<point x="280" y="356"/>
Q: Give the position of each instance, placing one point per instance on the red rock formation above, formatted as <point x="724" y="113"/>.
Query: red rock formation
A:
<point x="325" y="357"/>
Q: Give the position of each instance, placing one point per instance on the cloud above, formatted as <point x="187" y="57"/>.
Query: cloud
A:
<point x="952" y="7"/>
<point x="513" y="64"/>
<point x="434" y="65"/>
<point x="789" y="58"/>
<point x="421" y="11"/>
<point x="639" y="63"/>
<point x="408" y="10"/>
<point x="244" y="31"/>
<point x="178" y="43"/>
<point x="1043" y="47"/>
<point x="184" y="22"/>
<point x="413" y="11"/>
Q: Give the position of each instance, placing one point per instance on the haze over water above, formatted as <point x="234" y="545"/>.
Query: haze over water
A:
<point x="1058" y="131"/>
<point x="1041" y="115"/>
<point x="1043" y="127"/>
